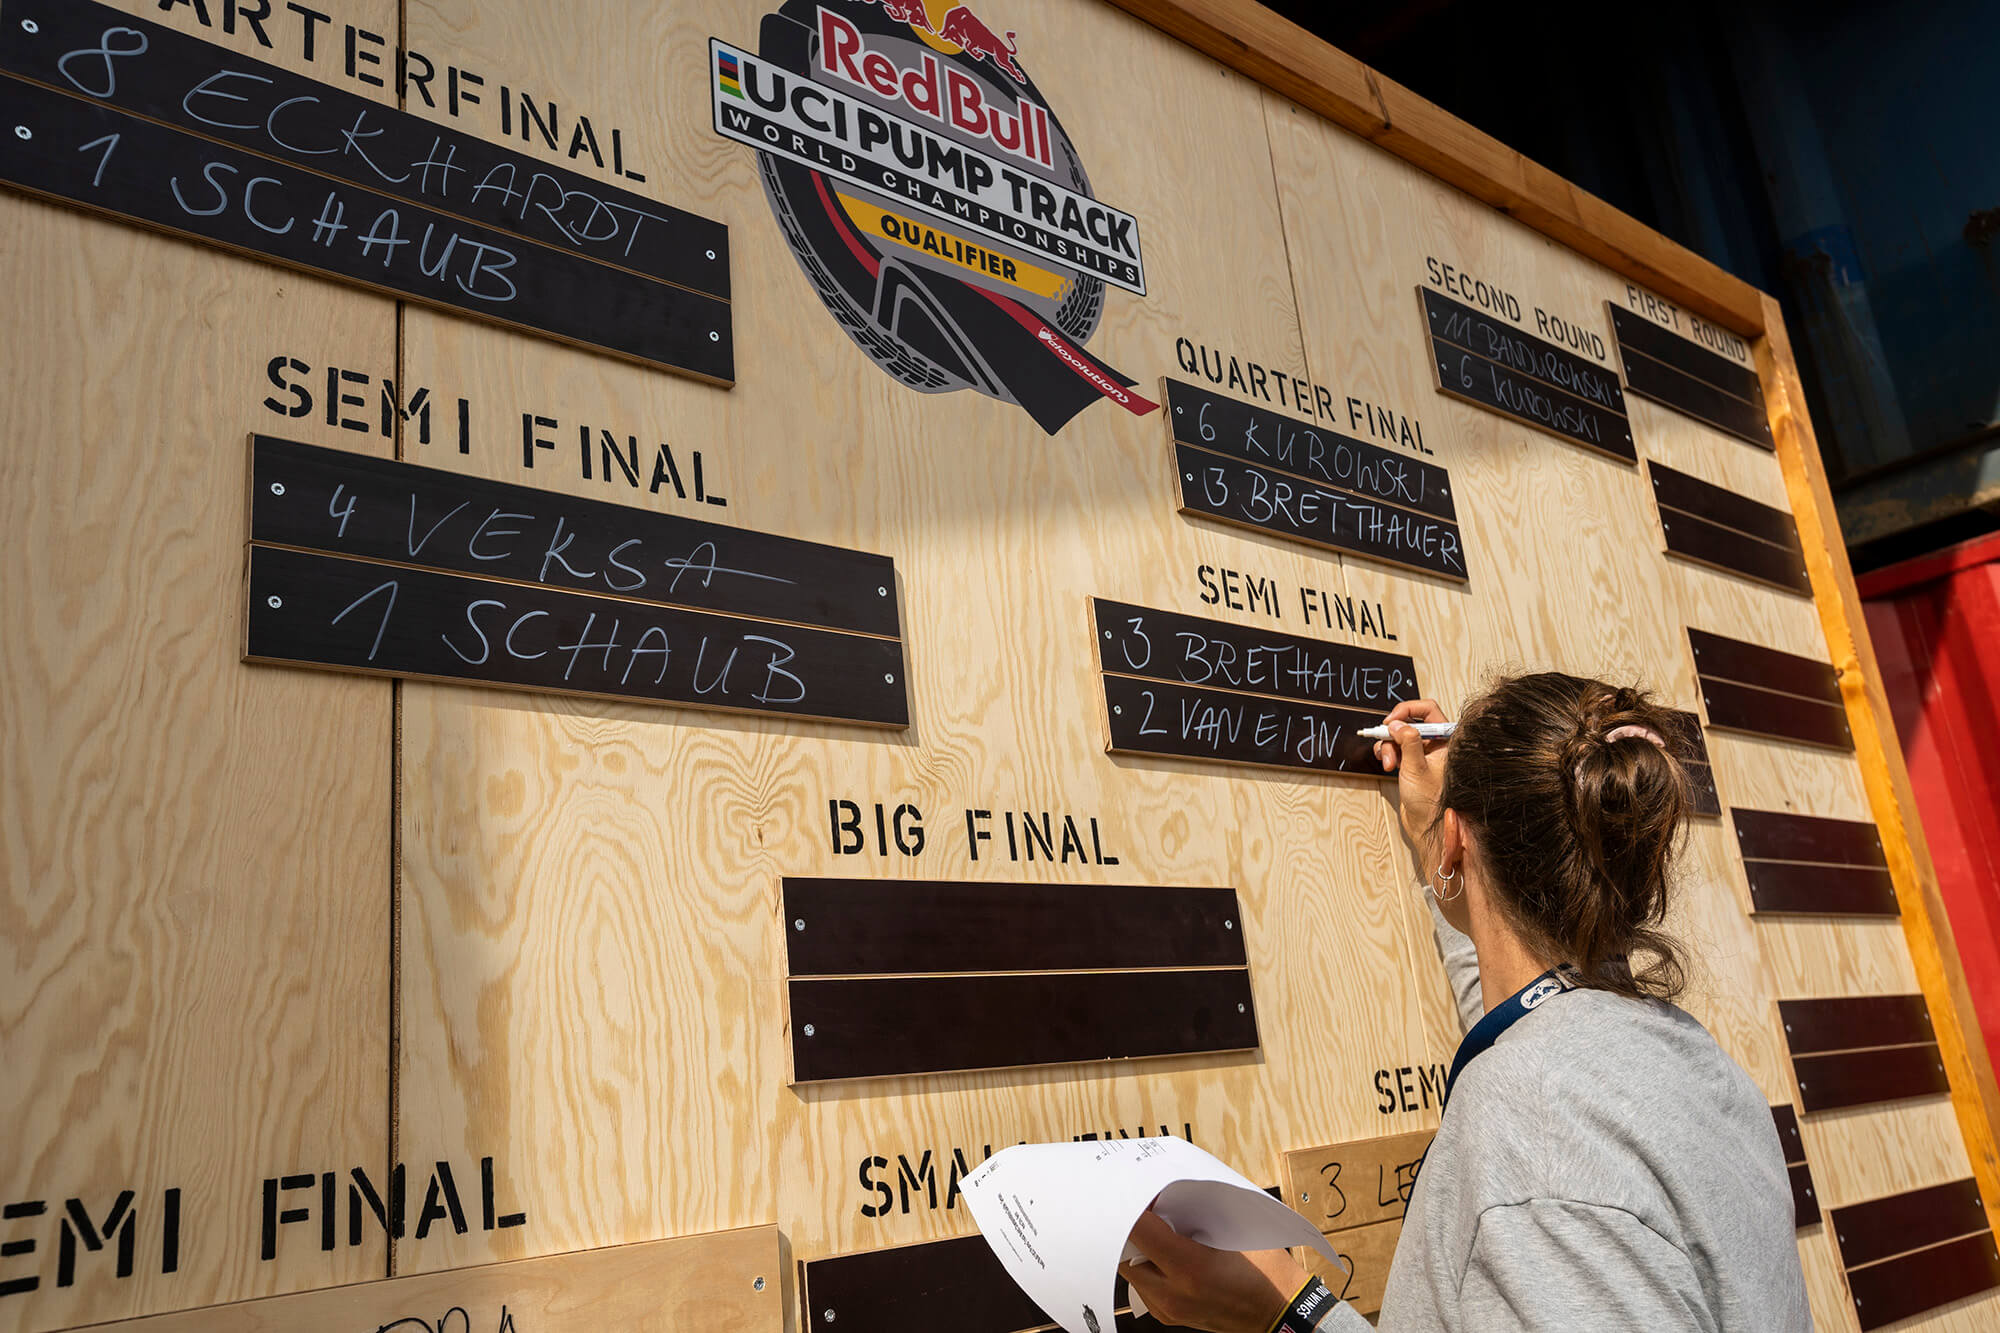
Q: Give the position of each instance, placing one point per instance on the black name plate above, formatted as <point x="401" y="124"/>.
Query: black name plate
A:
<point x="1691" y="748"/>
<point x="1187" y="650"/>
<point x="90" y="154"/>
<point x="1286" y="506"/>
<point x="885" y="1027"/>
<point x="1286" y="444"/>
<point x="85" y="48"/>
<point x="309" y="609"/>
<point x="1189" y="722"/>
<point x="1723" y="530"/>
<point x="1690" y="379"/>
<point x="1498" y="367"/>
<point x="378" y="509"/>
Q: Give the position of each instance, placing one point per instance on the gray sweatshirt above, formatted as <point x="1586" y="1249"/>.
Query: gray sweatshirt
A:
<point x="1603" y="1166"/>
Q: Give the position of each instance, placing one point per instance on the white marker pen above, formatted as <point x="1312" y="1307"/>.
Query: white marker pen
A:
<point x="1430" y="731"/>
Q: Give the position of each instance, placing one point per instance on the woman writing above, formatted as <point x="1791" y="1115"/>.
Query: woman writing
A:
<point x="1601" y="1163"/>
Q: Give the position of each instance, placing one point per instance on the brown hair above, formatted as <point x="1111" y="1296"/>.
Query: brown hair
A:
<point x="1576" y="835"/>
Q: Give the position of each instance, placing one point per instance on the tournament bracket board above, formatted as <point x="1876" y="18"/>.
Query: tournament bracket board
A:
<point x="322" y="978"/>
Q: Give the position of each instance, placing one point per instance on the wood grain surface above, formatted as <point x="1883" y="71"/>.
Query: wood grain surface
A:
<point x="613" y="927"/>
<point x="1826" y="1283"/>
<point x="1366" y="1253"/>
<point x="193" y="872"/>
<point x="1343" y="1185"/>
<point x="270" y="923"/>
<point x="726" y="1280"/>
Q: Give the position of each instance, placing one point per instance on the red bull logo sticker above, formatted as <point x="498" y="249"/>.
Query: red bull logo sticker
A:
<point x="933" y="198"/>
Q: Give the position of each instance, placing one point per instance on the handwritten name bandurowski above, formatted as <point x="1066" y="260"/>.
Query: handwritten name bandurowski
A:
<point x="1493" y="365"/>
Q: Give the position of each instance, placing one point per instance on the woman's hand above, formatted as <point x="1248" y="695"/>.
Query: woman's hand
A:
<point x="1185" y="1282"/>
<point x="1417" y="764"/>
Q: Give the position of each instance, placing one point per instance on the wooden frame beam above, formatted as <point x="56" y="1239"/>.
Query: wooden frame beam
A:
<point x="1291" y="61"/>
<point x="1975" y="1097"/>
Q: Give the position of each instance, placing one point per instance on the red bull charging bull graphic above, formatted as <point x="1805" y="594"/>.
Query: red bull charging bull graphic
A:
<point x="962" y="28"/>
<point x="933" y="199"/>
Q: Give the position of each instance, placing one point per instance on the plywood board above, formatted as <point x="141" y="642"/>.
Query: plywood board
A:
<point x="726" y="1280"/>
<point x="1362" y="1274"/>
<point x="1348" y="1185"/>
<point x="1527" y="508"/>
<point x="1865" y="1152"/>
<point x="687" y="952"/>
<point x="546" y="935"/>
<point x="1857" y="1152"/>
<point x="195" y="867"/>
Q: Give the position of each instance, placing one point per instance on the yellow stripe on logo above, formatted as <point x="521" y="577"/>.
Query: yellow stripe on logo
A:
<point x="953" y="249"/>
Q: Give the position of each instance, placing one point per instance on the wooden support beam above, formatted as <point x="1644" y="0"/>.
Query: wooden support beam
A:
<point x="1975" y="1097"/>
<point x="723" y="1279"/>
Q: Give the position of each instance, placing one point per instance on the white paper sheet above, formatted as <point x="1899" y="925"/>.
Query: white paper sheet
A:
<point x="1058" y="1215"/>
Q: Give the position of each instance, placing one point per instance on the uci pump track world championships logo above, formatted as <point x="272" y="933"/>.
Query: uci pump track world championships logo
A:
<point x="933" y="198"/>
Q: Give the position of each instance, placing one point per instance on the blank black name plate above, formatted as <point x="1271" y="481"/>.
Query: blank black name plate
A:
<point x="873" y="1027"/>
<point x="1498" y="367"/>
<point x="1204" y="689"/>
<point x="1683" y="375"/>
<point x="923" y="977"/>
<point x="1688" y="746"/>
<point x="1712" y="526"/>
<point x="368" y="565"/>
<point x="1258" y="469"/>
<point x="87" y="152"/>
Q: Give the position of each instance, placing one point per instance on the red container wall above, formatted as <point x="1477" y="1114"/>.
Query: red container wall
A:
<point x="1936" y="626"/>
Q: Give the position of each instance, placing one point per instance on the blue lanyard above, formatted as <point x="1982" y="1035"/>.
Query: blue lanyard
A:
<point x="1503" y="1016"/>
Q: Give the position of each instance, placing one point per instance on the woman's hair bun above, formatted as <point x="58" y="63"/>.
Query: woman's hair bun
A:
<point x="1577" y="812"/>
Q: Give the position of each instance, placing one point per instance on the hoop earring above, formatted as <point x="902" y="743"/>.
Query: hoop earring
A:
<point x="1447" y="878"/>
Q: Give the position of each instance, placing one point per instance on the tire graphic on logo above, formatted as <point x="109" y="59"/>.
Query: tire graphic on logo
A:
<point x="940" y="307"/>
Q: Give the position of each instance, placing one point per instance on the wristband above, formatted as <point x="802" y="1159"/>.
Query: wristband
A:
<point x="1307" y="1309"/>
